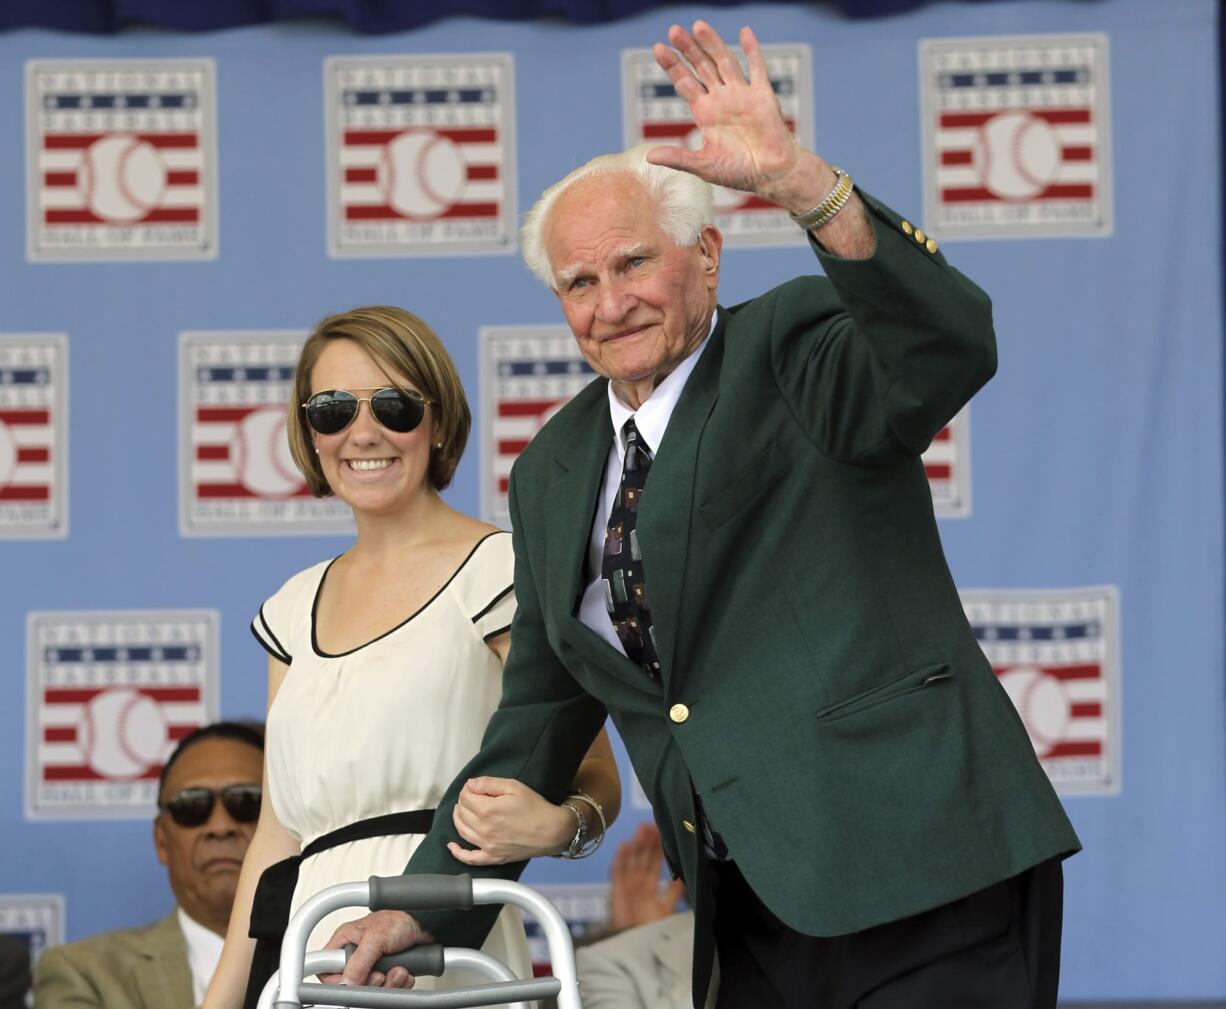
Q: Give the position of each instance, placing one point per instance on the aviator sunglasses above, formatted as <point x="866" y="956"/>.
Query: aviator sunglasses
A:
<point x="333" y="410"/>
<point x="193" y="806"/>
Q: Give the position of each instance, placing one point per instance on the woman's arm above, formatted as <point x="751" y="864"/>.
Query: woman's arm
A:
<point x="270" y="843"/>
<point x="507" y="821"/>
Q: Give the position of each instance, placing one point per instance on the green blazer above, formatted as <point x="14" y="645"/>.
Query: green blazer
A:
<point x="137" y="968"/>
<point x="821" y="688"/>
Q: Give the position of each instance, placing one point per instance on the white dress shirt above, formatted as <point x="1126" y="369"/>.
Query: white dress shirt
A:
<point x="203" y="952"/>
<point x="650" y="419"/>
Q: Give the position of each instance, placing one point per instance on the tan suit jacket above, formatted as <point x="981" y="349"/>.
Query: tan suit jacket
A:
<point x="137" y="968"/>
<point x="647" y="967"/>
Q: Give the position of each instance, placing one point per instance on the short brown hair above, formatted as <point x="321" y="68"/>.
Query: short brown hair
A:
<point x="400" y="341"/>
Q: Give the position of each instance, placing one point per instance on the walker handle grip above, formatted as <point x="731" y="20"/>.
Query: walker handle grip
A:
<point x="420" y="961"/>
<point x="421" y="893"/>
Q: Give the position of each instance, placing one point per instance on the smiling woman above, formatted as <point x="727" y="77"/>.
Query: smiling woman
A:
<point x="385" y="663"/>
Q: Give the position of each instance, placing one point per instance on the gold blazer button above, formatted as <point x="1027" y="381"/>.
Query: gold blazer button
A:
<point x="678" y="713"/>
<point x="907" y="229"/>
<point x="689" y="826"/>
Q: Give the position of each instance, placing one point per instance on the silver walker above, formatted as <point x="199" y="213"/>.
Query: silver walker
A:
<point x="287" y="990"/>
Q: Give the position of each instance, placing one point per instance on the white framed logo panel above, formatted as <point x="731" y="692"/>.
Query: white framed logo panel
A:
<point x="33" y="436"/>
<point x="528" y="373"/>
<point x="121" y="159"/>
<point x="108" y="696"/>
<point x="1016" y="135"/>
<point x="236" y="474"/>
<point x="1057" y="654"/>
<point x="420" y="154"/>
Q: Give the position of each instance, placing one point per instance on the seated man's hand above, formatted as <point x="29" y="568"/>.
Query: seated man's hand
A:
<point x="635" y="894"/>
<point x="376" y="935"/>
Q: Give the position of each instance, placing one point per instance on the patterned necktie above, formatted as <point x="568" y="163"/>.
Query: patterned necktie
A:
<point x="622" y="566"/>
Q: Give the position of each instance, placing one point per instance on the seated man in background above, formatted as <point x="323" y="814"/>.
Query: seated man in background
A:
<point x="208" y="802"/>
<point x="644" y="962"/>
<point x="14" y="972"/>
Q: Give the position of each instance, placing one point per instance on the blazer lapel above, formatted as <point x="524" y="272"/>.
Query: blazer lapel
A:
<point x="664" y="519"/>
<point x="166" y="981"/>
<point x="572" y="504"/>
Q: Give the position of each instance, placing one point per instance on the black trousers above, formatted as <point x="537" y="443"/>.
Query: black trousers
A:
<point x="996" y="949"/>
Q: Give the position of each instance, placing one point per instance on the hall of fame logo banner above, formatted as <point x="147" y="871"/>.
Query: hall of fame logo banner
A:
<point x="1016" y="136"/>
<point x="585" y="906"/>
<point x="36" y="920"/>
<point x="947" y="463"/>
<point x="1057" y="656"/>
<point x="109" y="694"/>
<point x="528" y="373"/>
<point x="236" y="474"/>
<point x="121" y="159"/>
<point x="421" y="154"/>
<point x="33" y="435"/>
<point x="653" y="112"/>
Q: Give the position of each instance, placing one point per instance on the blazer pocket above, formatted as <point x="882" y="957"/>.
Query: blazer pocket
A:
<point x="933" y="675"/>
<point x="754" y="480"/>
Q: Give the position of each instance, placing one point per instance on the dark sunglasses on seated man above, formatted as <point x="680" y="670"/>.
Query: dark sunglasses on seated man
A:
<point x="333" y="410"/>
<point x="193" y="806"/>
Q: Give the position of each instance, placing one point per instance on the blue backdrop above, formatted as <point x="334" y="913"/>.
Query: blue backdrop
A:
<point x="1097" y="451"/>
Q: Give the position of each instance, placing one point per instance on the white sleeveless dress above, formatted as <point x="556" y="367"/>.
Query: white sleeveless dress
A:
<point x="384" y="728"/>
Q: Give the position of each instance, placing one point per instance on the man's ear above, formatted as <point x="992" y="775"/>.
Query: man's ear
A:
<point x="159" y="840"/>
<point x="710" y="245"/>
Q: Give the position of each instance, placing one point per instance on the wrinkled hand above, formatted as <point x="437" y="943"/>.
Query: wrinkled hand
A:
<point x="376" y="935"/>
<point x="507" y="821"/>
<point x="635" y="894"/>
<point x="746" y="143"/>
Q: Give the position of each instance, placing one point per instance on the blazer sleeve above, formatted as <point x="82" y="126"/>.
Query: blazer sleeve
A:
<point x="540" y="731"/>
<point x="61" y="984"/>
<point x="876" y="371"/>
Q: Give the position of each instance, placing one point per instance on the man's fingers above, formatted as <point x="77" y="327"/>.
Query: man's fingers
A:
<point x="704" y="67"/>
<point x="399" y="977"/>
<point x="724" y="58"/>
<point x="684" y="82"/>
<point x="362" y="961"/>
<point x="676" y="157"/>
<point x="754" y="56"/>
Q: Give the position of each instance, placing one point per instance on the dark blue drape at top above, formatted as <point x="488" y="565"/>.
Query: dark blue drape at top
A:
<point x="370" y="16"/>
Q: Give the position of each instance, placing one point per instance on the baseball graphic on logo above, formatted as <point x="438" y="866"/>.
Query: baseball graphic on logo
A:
<point x="1042" y="704"/>
<point x="121" y="733"/>
<point x="8" y="454"/>
<point x="421" y="174"/>
<point x="123" y="178"/>
<point x="723" y="197"/>
<point x="1016" y="155"/>
<point x="260" y="454"/>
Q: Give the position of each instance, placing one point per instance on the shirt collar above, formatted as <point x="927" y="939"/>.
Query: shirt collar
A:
<point x="651" y="418"/>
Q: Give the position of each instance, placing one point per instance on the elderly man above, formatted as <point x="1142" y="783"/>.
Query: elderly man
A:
<point x="729" y="546"/>
<point x="208" y="802"/>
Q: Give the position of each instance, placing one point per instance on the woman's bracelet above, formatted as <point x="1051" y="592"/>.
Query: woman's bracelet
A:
<point x="590" y="844"/>
<point x="573" y="849"/>
<point x="583" y="843"/>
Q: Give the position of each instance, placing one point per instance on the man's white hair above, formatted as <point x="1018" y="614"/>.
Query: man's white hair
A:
<point x="684" y="203"/>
